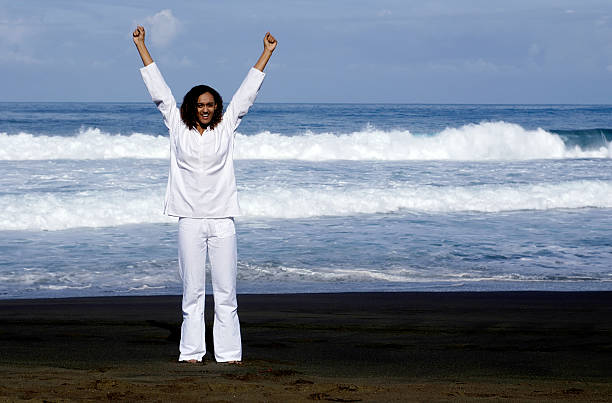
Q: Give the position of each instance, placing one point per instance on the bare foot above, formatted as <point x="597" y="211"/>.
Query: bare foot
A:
<point x="191" y="361"/>
<point x="234" y="362"/>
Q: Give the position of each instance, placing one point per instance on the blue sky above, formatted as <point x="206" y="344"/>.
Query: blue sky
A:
<point x="447" y="51"/>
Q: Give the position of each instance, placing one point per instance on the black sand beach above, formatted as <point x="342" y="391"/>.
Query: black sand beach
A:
<point x="486" y="346"/>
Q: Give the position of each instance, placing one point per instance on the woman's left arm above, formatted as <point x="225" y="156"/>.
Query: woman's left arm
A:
<point x="269" y="46"/>
<point x="247" y="92"/>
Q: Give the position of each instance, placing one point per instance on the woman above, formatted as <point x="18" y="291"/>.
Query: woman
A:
<point x="201" y="191"/>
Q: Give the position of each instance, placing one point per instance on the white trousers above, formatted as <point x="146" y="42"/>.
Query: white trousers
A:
<point x="216" y="237"/>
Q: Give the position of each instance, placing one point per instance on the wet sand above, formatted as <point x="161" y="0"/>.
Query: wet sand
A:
<point x="487" y="346"/>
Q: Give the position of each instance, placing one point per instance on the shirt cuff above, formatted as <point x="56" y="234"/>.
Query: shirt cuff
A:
<point x="149" y="67"/>
<point x="256" y="73"/>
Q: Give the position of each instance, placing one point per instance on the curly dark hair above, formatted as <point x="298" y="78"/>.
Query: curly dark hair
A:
<point x="190" y="102"/>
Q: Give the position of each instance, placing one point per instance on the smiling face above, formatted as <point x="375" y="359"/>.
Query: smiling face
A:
<point x="202" y="108"/>
<point x="205" y="108"/>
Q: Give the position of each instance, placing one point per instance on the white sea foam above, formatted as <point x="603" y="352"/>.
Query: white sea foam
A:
<point x="89" y="144"/>
<point x="266" y="273"/>
<point x="82" y="280"/>
<point x="153" y="279"/>
<point x="250" y="272"/>
<point x="298" y="203"/>
<point x="55" y="211"/>
<point x="477" y="142"/>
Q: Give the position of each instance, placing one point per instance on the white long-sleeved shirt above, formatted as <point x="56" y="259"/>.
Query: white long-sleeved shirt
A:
<point x="201" y="181"/>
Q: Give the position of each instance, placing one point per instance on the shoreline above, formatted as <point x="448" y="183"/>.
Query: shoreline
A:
<point x="543" y="286"/>
<point x="486" y="345"/>
<point x="448" y="290"/>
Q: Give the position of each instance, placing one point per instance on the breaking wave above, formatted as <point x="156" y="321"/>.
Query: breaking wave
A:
<point x="105" y="208"/>
<point x="474" y="142"/>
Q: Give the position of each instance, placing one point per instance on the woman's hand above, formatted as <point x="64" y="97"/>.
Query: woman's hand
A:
<point x="139" y="35"/>
<point x="269" y="42"/>
<point x="139" y="40"/>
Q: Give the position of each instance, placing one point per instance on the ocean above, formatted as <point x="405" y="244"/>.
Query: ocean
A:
<point x="335" y="198"/>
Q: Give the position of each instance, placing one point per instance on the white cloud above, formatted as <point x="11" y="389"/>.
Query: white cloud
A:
<point x="534" y="50"/>
<point x="162" y="27"/>
<point x="384" y="13"/>
<point x="186" y="62"/>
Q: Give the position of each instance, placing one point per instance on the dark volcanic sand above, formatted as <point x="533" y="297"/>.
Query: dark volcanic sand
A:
<point x="528" y="346"/>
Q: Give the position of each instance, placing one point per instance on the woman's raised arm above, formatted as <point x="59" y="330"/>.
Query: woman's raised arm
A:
<point x="269" y="46"/>
<point x="139" y="40"/>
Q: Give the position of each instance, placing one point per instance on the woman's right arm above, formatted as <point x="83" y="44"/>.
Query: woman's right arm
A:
<point x="153" y="79"/>
<point x="139" y="40"/>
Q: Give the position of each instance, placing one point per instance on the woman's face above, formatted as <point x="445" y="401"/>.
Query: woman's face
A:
<point x="205" y="108"/>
